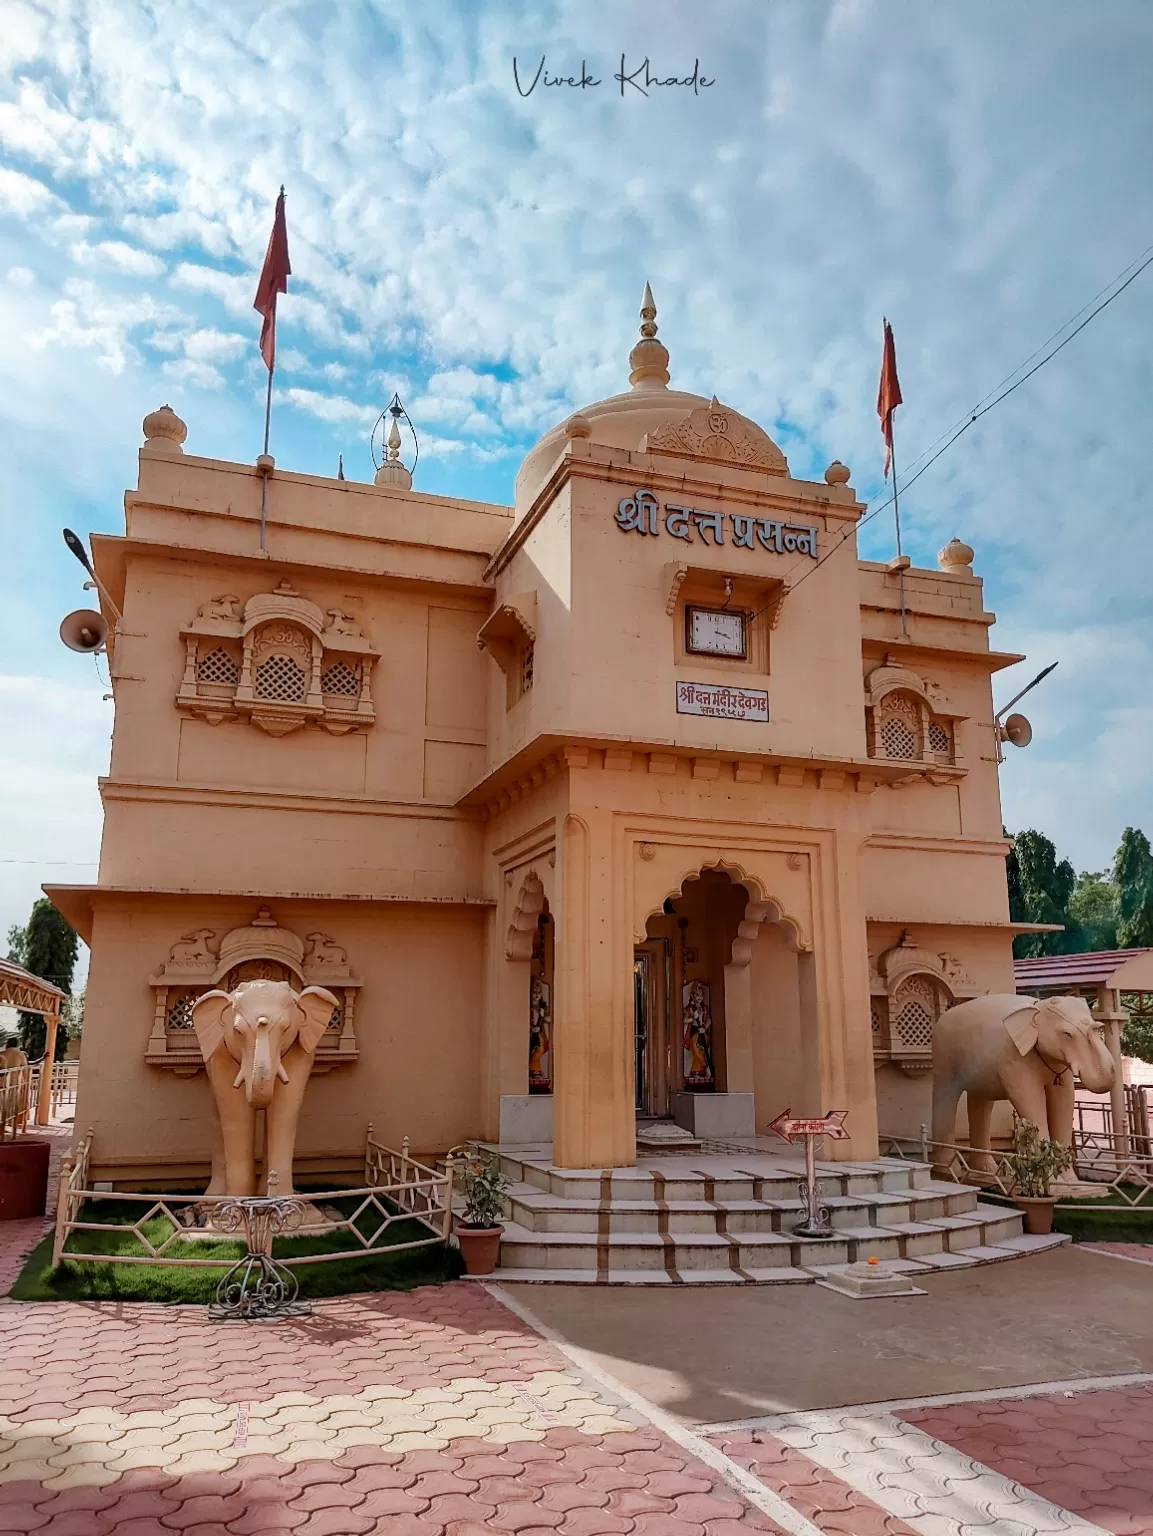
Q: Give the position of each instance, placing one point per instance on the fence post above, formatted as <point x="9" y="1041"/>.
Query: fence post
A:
<point x="61" y="1233"/>
<point x="924" y="1143"/>
<point x="404" y="1201"/>
<point x="448" y="1176"/>
<point x="368" y="1154"/>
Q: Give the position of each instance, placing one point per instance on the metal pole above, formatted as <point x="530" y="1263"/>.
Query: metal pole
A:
<point x="811" y="1170"/>
<point x="264" y="464"/>
<point x="897" y="521"/>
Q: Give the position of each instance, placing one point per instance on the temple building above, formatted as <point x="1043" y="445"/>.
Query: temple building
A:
<point x="644" y="802"/>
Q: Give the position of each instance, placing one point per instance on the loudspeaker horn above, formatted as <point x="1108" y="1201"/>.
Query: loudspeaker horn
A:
<point x="84" y="630"/>
<point x="1017" y="731"/>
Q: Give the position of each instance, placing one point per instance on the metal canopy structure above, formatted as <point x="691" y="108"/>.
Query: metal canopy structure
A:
<point x="21" y="989"/>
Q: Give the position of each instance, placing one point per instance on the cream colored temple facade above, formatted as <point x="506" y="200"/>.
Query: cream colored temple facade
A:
<point x="633" y="801"/>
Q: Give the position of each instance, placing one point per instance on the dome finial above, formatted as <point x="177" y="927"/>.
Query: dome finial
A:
<point x="649" y="359"/>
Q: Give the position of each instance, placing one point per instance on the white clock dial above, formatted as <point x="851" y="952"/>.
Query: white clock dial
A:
<point x="716" y="633"/>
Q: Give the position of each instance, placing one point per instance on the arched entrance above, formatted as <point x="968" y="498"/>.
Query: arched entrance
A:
<point x="724" y="1011"/>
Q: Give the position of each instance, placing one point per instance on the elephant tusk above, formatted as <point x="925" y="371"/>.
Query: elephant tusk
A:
<point x="239" y="1078"/>
<point x="281" y="1073"/>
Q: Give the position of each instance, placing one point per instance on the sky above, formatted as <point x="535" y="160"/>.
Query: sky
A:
<point x="977" y="172"/>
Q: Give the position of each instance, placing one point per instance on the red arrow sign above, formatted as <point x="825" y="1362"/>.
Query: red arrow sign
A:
<point x="832" y="1124"/>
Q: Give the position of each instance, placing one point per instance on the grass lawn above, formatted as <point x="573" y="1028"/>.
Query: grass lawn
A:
<point x="1096" y="1225"/>
<point x="85" y="1280"/>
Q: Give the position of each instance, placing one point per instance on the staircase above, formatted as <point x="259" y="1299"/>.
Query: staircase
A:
<point x="725" y="1213"/>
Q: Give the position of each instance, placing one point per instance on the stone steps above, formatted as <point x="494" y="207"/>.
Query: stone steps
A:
<point x="725" y="1214"/>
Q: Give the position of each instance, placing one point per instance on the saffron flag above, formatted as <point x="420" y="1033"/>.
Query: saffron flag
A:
<point x="888" y="395"/>
<point x="273" y="280"/>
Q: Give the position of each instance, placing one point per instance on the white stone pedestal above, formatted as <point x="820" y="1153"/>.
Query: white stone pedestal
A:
<point x="525" y="1119"/>
<point x="715" y="1116"/>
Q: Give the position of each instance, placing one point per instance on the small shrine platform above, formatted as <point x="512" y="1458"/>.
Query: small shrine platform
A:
<point x="724" y="1213"/>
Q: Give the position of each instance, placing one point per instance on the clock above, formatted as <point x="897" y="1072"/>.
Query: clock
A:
<point x="715" y="632"/>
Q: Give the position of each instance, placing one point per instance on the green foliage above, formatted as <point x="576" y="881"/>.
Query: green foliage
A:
<point x="1133" y="878"/>
<point x="47" y="946"/>
<point x="1044" y="886"/>
<point x="484" y="1189"/>
<point x="85" y="1280"/>
<point x="1091" y="917"/>
<point x="1035" y="1160"/>
<point x="1137" y="1038"/>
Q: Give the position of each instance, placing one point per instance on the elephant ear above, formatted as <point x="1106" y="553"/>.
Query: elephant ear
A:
<point x="317" y="1005"/>
<point x="208" y="1021"/>
<point x="1021" y="1023"/>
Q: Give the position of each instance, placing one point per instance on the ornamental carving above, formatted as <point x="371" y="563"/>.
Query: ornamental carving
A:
<point x="279" y="662"/>
<point x="203" y="960"/>
<point x="910" y="988"/>
<point x="721" y="435"/>
<point x="908" y="718"/>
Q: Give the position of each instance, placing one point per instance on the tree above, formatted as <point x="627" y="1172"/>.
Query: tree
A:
<point x="1045" y="886"/>
<point x="47" y="946"/>
<point x="1133" y="877"/>
<point x="1092" y="914"/>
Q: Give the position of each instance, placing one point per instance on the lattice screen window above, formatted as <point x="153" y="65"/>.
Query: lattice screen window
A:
<point x="337" y="1018"/>
<point x="877" y="1015"/>
<point x="900" y="733"/>
<point x="179" y="1013"/>
<point x="526" y="666"/>
<point x="282" y="679"/>
<point x="940" y="739"/>
<point x="341" y="679"/>
<point x="916" y="1010"/>
<point x="218" y="668"/>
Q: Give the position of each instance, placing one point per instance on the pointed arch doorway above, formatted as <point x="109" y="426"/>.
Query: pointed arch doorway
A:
<point x="723" y="1011"/>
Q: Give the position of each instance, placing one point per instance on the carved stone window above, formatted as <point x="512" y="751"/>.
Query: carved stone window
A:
<point x="917" y="1008"/>
<point x="900" y="733"/>
<point x="179" y="1015"/>
<point x="526" y="667"/>
<point x="275" y="661"/>
<point x="910" y="988"/>
<point x="910" y="720"/>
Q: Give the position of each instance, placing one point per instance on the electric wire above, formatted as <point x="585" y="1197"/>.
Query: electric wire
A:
<point x="989" y="402"/>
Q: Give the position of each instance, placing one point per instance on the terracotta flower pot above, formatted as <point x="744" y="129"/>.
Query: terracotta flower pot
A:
<point x="24" y="1177"/>
<point x="479" y="1247"/>
<point x="1038" y="1211"/>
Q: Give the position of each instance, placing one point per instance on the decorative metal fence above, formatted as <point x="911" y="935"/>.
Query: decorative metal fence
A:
<point x="18" y="1094"/>
<point x="1125" y="1182"/>
<point x="397" y="1188"/>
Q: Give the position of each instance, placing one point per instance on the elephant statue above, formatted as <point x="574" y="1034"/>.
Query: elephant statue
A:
<point x="1025" y="1049"/>
<point x="258" y="1043"/>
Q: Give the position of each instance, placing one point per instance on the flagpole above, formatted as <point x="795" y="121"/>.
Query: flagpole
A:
<point x="264" y="466"/>
<point x="897" y="521"/>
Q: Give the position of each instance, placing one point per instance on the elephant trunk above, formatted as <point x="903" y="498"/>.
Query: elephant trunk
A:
<point x="262" y="1073"/>
<point x="1098" y="1070"/>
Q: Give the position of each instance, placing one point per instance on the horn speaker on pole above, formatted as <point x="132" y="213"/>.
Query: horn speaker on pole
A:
<point x="84" y="630"/>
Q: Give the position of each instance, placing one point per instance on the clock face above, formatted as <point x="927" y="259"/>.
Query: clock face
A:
<point x="716" y="632"/>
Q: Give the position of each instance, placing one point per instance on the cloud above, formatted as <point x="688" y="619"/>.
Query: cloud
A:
<point x="25" y="197"/>
<point x="22" y="277"/>
<point x="330" y="408"/>
<point x="115" y="254"/>
<point x="91" y="319"/>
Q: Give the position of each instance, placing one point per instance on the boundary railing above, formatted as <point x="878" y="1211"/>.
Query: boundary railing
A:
<point x="65" y="1078"/>
<point x="397" y="1188"/>
<point x="1126" y="1181"/>
<point x="18" y="1095"/>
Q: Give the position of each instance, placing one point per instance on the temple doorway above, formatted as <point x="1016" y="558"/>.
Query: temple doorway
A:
<point x="652" y="1036"/>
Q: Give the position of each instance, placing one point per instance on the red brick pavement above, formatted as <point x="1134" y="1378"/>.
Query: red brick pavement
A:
<point x="809" y="1488"/>
<point x="1090" y="1452"/>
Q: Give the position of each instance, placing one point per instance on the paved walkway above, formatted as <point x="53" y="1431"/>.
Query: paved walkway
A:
<point x="447" y="1412"/>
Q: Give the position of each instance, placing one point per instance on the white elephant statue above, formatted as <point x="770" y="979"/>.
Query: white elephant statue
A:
<point x="1028" y="1050"/>
<point x="258" y="1043"/>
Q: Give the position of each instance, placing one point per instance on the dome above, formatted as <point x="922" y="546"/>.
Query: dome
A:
<point x="650" y="415"/>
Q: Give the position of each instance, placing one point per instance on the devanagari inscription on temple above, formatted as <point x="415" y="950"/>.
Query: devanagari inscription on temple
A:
<point x="722" y="702"/>
<point x="640" y="513"/>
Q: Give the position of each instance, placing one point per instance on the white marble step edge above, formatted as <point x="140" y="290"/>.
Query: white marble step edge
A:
<point x="687" y="1181"/>
<point x="969" y="1258"/>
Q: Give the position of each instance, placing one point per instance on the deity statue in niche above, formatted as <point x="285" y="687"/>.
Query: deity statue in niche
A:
<point x="697" y="1017"/>
<point x="539" y="1037"/>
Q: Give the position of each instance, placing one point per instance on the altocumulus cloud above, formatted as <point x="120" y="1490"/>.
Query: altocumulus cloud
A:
<point x="975" y="172"/>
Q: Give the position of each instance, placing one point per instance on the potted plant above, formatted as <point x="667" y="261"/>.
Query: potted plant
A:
<point x="478" y="1229"/>
<point x="1036" y="1161"/>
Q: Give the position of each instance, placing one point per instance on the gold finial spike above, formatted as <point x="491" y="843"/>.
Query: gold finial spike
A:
<point x="648" y="313"/>
<point x="394" y="441"/>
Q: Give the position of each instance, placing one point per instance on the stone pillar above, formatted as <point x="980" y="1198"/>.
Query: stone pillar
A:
<point x="738" y="1028"/>
<point x="593" y="1090"/>
<point x="44" y="1101"/>
<point x="1110" y="1012"/>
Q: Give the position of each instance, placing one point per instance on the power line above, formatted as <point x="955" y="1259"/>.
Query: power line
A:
<point x="984" y="406"/>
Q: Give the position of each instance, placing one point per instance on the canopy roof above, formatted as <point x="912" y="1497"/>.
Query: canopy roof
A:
<point x="20" y="989"/>
<point x="1125" y="970"/>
